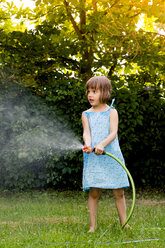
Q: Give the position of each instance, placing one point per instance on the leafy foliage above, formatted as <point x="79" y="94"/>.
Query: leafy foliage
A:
<point x="84" y="37"/>
<point x="141" y="131"/>
<point x="71" y="41"/>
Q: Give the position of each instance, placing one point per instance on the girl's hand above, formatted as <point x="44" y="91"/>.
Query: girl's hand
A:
<point x="99" y="149"/>
<point x="87" y="149"/>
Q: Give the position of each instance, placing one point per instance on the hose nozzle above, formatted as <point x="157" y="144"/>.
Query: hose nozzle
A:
<point x="85" y="147"/>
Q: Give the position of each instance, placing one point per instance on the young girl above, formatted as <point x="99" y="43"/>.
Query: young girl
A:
<point x="100" y="126"/>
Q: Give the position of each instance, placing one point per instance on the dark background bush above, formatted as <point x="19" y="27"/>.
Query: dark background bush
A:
<point x="141" y="133"/>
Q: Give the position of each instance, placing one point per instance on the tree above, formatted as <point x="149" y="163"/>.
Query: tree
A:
<point x="72" y="41"/>
<point x="85" y="37"/>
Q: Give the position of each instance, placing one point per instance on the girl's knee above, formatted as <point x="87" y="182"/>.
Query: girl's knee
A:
<point x="94" y="193"/>
<point x="118" y="193"/>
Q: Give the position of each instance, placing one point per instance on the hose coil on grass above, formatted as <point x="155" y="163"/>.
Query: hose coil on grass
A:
<point x="132" y="184"/>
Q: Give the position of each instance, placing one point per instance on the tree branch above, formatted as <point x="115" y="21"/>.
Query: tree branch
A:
<point x="112" y="68"/>
<point x="106" y="11"/>
<point x="76" y="28"/>
<point x="94" y="5"/>
<point x="82" y="17"/>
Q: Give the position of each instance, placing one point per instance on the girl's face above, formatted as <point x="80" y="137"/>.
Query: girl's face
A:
<point x="93" y="96"/>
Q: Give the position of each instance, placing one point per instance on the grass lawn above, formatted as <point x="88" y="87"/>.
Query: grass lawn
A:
<point x="60" y="219"/>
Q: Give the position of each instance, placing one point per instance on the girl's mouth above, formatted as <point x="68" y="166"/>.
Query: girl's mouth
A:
<point x="91" y="100"/>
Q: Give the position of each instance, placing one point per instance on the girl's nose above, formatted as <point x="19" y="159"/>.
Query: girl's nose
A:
<point x="90" y="93"/>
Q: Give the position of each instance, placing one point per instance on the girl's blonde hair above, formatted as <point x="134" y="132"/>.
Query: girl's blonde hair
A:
<point x="103" y="84"/>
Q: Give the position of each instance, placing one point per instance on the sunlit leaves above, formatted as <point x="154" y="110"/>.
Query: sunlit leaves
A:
<point x="87" y="35"/>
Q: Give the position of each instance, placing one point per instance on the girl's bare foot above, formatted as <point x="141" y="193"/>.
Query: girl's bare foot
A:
<point x="127" y="227"/>
<point x="91" y="230"/>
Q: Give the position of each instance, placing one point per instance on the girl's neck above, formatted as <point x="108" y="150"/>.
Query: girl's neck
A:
<point x="100" y="108"/>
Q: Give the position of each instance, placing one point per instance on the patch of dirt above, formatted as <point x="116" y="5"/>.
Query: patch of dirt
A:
<point x="149" y="202"/>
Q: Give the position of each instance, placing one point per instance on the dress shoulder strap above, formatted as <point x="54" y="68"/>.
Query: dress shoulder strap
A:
<point x="112" y="103"/>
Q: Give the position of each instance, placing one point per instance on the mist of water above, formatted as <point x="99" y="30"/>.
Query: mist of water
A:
<point x="31" y="130"/>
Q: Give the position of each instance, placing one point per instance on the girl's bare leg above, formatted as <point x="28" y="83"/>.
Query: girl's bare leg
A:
<point x="120" y="204"/>
<point x="94" y="195"/>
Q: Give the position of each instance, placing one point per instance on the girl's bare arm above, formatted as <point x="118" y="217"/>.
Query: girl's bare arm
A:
<point x="86" y="133"/>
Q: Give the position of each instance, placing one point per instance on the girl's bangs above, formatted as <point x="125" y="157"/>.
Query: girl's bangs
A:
<point x="93" y="84"/>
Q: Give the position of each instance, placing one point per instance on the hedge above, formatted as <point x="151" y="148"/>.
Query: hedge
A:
<point x="29" y="164"/>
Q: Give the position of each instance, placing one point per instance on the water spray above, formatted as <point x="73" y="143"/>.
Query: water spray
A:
<point x="132" y="184"/>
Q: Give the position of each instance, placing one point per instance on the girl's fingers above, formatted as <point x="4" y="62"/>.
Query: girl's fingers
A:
<point x="87" y="149"/>
<point x="98" y="151"/>
<point x="90" y="149"/>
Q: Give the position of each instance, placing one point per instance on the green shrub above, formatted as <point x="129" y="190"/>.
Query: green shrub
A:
<point x="141" y="133"/>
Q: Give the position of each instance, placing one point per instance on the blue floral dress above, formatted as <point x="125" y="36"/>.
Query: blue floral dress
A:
<point x="102" y="171"/>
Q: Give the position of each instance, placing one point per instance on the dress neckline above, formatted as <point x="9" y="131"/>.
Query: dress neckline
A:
<point x="111" y="106"/>
<point x="99" y="111"/>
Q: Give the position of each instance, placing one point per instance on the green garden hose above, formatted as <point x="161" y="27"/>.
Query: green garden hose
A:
<point x="132" y="184"/>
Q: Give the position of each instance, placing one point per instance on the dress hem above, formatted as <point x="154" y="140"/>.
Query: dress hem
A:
<point x="88" y="188"/>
